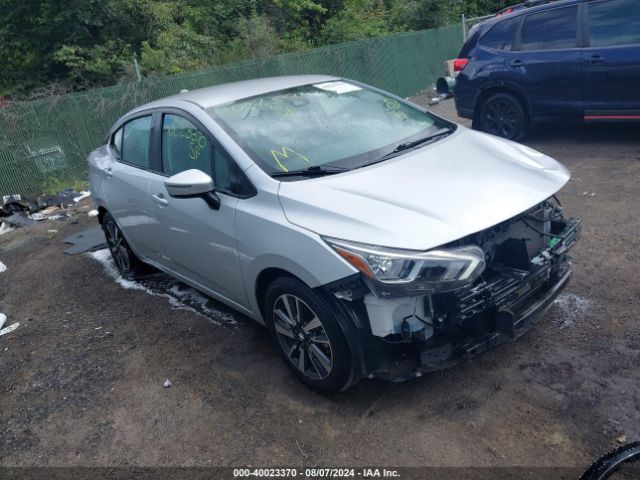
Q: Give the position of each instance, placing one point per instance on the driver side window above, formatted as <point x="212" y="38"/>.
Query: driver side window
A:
<point x="184" y="146"/>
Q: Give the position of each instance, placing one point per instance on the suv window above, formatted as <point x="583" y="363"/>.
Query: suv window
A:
<point x="500" y="37"/>
<point x="135" y="142"/>
<point x="550" y="30"/>
<point x="616" y="22"/>
<point x="184" y="146"/>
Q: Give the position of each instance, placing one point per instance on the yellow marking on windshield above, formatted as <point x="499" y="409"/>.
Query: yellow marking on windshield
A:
<point x="284" y="153"/>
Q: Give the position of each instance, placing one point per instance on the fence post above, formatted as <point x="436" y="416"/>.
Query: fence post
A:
<point x="137" y="68"/>
<point x="464" y="28"/>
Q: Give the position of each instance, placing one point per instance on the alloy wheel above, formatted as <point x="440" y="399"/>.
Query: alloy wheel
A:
<point x="501" y="118"/>
<point x="117" y="246"/>
<point x="302" y="337"/>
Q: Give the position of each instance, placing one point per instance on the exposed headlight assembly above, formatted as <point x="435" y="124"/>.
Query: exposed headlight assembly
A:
<point x="393" y="272"/>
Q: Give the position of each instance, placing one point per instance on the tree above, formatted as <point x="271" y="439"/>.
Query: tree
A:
<point x="358" y="19"/>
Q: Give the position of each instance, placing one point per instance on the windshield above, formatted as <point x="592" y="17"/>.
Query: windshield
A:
<point x="333" y="123"/>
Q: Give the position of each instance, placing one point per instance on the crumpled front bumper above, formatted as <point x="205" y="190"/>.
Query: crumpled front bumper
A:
<point x="509" y="326"/>
<point x="489" y="314"/>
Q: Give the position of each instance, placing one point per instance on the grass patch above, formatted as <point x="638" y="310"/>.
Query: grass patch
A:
<point x="55" y="185"/>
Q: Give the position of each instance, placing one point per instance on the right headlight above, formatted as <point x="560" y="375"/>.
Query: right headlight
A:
<point x="393" y="272"/>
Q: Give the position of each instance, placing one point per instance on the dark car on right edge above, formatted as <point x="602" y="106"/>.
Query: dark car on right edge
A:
<point x="571" y="60"/>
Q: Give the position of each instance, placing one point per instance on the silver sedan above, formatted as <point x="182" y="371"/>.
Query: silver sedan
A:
<point x="373" y="238"/>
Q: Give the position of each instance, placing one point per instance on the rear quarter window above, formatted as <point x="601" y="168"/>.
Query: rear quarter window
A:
<point x="135" y="142"/>
<point x="550" y="30"/>
<point x="615" y="22"/>
<point x="501" y="35"/>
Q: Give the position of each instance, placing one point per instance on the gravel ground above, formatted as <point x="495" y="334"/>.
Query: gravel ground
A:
<point x="81" y="379"/>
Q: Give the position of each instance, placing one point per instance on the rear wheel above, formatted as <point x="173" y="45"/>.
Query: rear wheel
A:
<point x="124" y="258"/>
<point x="503" y="115"/>
<point x="308" y="336"/>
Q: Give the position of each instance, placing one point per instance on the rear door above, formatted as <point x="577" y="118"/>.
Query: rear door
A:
<point x="547" y="60"/>
<point x="198" y="243"/>
<point x="126" y="181"/>
<point x="612" y="60"/>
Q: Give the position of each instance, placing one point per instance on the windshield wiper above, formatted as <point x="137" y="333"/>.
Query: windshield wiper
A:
<point x="409" y="145"/>
<point x="420" y="141"/>
<point x="313" y="171"/>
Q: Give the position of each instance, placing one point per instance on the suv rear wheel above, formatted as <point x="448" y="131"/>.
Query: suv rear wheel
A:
<point x="502" y="114"/>
<point x="308" y="336"/>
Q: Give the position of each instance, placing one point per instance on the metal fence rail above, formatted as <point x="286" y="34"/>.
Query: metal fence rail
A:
<point x="45" y="142"/>
<point x="469" y="23"/>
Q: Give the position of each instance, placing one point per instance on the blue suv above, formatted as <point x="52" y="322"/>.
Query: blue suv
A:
<point x="571" y="60"/>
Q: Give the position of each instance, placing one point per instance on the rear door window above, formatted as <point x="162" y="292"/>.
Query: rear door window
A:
<point x="550" y="30"/>
<point x="501" y="36"/>
<point x="135" y="142"/>
<point x="616" y="22"/>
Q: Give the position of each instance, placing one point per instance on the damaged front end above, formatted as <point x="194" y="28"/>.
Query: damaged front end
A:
<point x="458" y="308"/>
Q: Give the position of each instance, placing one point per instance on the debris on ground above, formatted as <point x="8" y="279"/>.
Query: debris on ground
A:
<point x="5" y="228"/>
<point x="19" y="220"/>
<point x="167" y="383"/>
<point x="24" y="211"/>
<point x="83" y="194"/>
<point x="93" y="213"/>
<point x="3" y="267"/>
<point x="3" y="319"/>
<point x="85" y="241"/>
<point x="622" y="439"/>
<point x="9" y="329"/>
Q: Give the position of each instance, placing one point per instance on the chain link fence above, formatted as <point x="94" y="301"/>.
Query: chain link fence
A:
<point x="44" y="143"/>
<point x="469" y="23"/>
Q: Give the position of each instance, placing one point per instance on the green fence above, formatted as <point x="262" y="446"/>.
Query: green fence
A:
<point x="44" y="143"/>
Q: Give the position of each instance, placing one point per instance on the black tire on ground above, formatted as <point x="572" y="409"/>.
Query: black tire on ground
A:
<point x="126" y="261"/>
<point x="503" y="115"/>
<point x="613" y="461"/>
<point x="308" y="336"/>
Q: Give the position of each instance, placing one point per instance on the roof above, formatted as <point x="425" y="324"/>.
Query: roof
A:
<point x="230" y="92"/>
<point x="525" y="11"/>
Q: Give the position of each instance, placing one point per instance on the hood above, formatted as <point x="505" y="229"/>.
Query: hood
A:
<point x="462" y="184"/>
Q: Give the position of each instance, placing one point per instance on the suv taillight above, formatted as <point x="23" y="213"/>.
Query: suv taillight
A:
<point x="459" y="64"/>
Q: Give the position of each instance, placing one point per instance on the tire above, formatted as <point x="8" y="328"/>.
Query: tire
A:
<point x="308" y="336"/>
<point x="608" y="464"/>
<point x="503" y="115"/>
<point x="125" y="260"/>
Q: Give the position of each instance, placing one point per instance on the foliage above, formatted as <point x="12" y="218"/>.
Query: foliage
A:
<point x="77" y="44"/>
<point x="358" y="19"/>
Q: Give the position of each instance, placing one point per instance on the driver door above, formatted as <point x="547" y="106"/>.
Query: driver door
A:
<point x="199" y="243"/>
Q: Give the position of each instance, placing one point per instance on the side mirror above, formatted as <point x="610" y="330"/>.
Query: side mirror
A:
<point x="193" y="183"/>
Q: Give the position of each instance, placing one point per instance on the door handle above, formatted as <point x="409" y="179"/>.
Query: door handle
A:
<point x="160" y="200"/>
<point x="516" y="63"/>
<point x="108" y="172"/>
<point x="594" y="59"/>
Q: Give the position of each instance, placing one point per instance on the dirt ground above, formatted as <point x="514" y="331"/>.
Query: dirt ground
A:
<point x="81" y="379"/>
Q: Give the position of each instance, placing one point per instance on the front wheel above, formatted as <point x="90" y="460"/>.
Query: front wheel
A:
<point x="503" y="115"/>
<point x="308" y="336"/>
